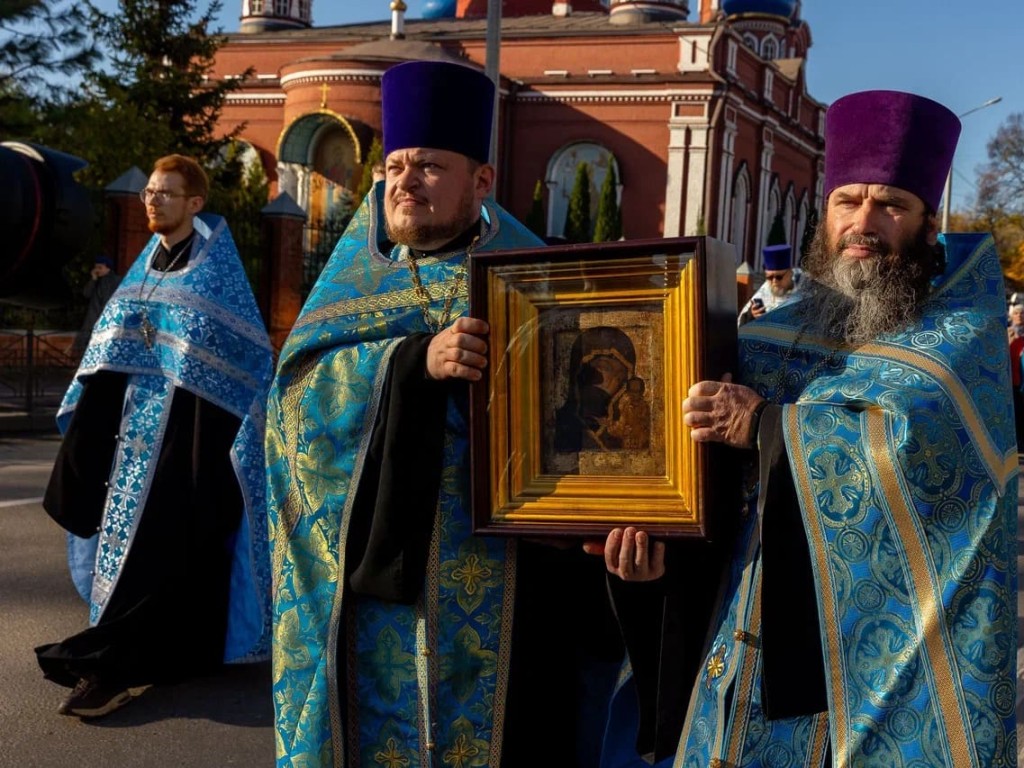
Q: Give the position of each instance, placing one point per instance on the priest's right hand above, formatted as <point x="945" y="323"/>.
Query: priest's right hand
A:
<point x="459" y="351"/>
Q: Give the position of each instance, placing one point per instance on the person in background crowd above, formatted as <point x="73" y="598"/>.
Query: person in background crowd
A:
<point x="782" y="284"/>
<point x="103" y="281"/>
<point x="159" y="478"/>
<point x="1015" y="330"/>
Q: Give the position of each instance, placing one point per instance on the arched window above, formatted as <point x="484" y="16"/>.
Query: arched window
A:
<point x="255" y="6"/>
<point x="801" y="225"/>
<point x="769" y="48"/>
<point x="772" y="210"/>
<point x="561" y="176"/>
<point x="304" y="10"/>
<point x="281" y="7"/>
<point x="789" y="215"/>
<point x="740" y="211"/>
<point x="750" y="40"/>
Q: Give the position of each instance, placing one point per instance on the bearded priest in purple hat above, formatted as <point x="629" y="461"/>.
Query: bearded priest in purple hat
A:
<point x="782" y="283"/>
<point x="867" y="615"/>
<point x="400" y="638"/>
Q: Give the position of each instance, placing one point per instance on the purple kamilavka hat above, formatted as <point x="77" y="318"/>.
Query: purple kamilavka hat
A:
<point x="893" y="138"/>
<point x="437" y="105"/>
<point x="777" y="257"/>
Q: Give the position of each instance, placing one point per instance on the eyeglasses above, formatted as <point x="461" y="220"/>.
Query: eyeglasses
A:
<point x="159" y="196"/>
<point x="776" y="276"/>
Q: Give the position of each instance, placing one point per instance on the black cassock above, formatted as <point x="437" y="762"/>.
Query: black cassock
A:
<point x="166" y="618"/>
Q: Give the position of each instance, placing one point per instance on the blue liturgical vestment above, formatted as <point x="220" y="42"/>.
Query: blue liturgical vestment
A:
<point x="361" y="680"/>
<point x="198" y="330"/>
<point x="903" y="459"/>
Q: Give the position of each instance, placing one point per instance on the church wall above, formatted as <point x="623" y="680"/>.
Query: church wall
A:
<point x="794" y="167"/>
<point x="749" y="146"/>
<point x="636" y="134"/>
<point x="522" y="58"/>
<point x="616" y="90"/>
<point x="811" y="116"/>
<point x="262" y="129"/>
<point x="781" y="92"/>
<point x="750" y="72"/>
<point x="269" y="54"/>
<point x="358" y="100"/>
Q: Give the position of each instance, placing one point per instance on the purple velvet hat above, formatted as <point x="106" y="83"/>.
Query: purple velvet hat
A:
<point x="777" y="257"/>
<point x="437" y="105"/>
<point x="893" y="138"/>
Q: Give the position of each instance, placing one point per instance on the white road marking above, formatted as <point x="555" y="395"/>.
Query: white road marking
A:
<point x="21" y="502"/>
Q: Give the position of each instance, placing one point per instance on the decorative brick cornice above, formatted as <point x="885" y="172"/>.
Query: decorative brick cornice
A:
<point x="613" y="96"/>
<point x="317" y="76"/>
<point x="256" y="99"/>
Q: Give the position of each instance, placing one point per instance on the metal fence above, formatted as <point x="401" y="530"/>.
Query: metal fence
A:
<point x="35" y="368"/>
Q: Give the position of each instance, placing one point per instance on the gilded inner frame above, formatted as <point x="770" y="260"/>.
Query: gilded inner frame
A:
<point x="589" y="361"/>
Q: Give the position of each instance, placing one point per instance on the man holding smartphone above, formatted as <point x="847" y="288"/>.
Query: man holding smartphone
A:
<point x="782" y="284"/>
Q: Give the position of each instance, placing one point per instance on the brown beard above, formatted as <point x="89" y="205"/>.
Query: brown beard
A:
<point x="163" y="228"/>
<point x="856" y="301"/>
<point x="466" y="215"/>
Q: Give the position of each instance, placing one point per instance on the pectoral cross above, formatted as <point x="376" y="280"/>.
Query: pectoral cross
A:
<point x="148" y="331"/>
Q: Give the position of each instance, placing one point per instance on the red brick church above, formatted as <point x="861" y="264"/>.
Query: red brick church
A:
<point x="707" y="121"/>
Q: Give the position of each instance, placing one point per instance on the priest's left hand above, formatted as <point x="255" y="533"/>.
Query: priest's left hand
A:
<point x="630" y="554"/>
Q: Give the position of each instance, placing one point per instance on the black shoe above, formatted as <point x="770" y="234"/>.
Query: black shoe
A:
<point x="91" y="698"/>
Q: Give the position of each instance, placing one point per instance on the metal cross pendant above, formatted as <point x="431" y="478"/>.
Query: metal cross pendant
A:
<point x="148" y="331"/>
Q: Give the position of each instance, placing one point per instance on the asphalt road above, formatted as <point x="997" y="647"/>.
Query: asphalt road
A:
<point x="224" y="720"/>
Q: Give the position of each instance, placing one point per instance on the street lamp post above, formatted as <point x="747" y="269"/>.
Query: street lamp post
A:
<point x="948" y="193"/>
<point x="492" y="68"/>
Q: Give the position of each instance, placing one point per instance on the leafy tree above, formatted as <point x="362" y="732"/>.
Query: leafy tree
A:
<point x="810" y="227"/>
<point x="42" y="43"/>
<point x="242" y="192"/>
<point x="154" y="97"/>
<point x="608" y="226"/>
<point x="777" y="234"/>
<point x="1001" y="196"/>
<point x="577" y="220"/>
<point x="374" y="156"/>
<point x="1001" y="184"/>
<point x="161" y="57"/>
<point x="535" y="219"/>
<point x="19" y="114"/>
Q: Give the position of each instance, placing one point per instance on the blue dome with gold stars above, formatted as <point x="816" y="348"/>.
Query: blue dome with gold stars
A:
<point x="784" y="8"/>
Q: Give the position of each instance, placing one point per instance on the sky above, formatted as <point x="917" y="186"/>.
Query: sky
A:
<point x="961" y="54"/>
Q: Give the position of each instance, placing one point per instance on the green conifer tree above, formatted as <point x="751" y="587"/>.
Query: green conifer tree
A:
<point x="777" y="234"/>
<point x="608" y="226"/>
<point x="239" y="198"/>
<point x="374" y="155"/>
<point x="45" y="45"/>
<point x="577" y="220"/>
<point x="535" y="219"/>
<point x="156" y="94"/>
<point x="810" y="227"/>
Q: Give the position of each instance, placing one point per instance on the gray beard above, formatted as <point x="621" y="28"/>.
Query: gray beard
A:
<point x="856" y="304"/>
<point x="856" y="301"/>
